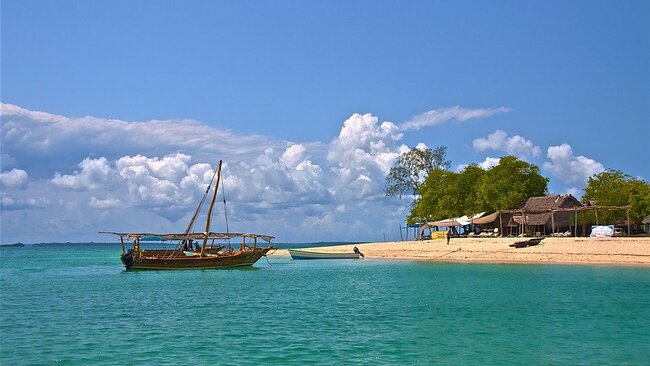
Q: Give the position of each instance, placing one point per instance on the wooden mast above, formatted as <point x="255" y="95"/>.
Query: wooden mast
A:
<point x="209" y="218"/>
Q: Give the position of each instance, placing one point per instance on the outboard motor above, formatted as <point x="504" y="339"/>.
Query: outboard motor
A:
<point x="356" y="250"/>
<point x="127" y="259"/>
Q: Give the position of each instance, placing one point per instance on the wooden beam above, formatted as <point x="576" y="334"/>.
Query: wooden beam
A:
<point x="552" y="221"/>
<point x="500" y="225"/>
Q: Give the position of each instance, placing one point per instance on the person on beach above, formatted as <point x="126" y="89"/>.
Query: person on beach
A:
<point x="448" y="236"/>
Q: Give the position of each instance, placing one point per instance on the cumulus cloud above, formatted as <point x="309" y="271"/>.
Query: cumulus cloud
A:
<point x="15" y="178"/>
<point x="363" y="154"/>
<point x="106" y="203"/>
<point x="442" y="115"/>
<point x="513" y="145"/>
<point x="94" y="174"/>
<point x="277" y="178"/>
<point x="485" y="164"/>
<point x="129" y="175"/>
<point x="569" y="168"/>
<point x="489" y="163"/>
<point x="52" y="142"/>
<point x="11" y="203"/>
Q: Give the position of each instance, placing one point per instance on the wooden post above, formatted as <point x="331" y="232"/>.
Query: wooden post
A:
<point x="575" y="226"/>
<point x="553" y="221"/>
<point x="500" y="225"/>
<point x="122" y="241"/>
<point x="523" y="225"/>
<point x="627" y="212"/>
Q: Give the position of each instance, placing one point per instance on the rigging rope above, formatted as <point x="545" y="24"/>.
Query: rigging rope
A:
<point x="190" y="226"/>
<point x="225" y="209"/>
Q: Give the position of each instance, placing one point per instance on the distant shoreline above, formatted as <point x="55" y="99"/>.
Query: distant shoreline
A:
<point x="618" y="251"/>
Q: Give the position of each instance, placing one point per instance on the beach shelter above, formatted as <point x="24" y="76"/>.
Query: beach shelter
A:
<point x="646" y="224"/>
<point x="485" y="219"/>
<point x="547" y="213"/>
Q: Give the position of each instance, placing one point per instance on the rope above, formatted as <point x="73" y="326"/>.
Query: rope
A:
<point x="196" y="212"/>
<point x="225" y="210"/>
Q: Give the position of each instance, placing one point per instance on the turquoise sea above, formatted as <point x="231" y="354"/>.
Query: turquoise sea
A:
<point x="75" y="305"/>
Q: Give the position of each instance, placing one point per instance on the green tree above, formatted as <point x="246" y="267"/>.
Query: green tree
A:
<point x="510" y="184"/>
<point x="412" y="168"/>
<point x="448" y="194"/>
<point x="615" y="188"/>
<point x="429" y="204"/>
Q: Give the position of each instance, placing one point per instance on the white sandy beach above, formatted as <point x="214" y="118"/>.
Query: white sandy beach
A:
<point x="597" y="251"/>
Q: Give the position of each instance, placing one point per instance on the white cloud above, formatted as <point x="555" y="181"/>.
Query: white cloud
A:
<point x="485" y="164"/>
<point x="293" y="156"/>
<point x="9" y="204"/>
<point x="14" y="178"/>
<point x="569" y="168"/>
<point x="513" y="145"/>
<point x="94" y="174"/>
<point x="442" y="115"/>
<point x="362" y="155"/>
<point x="489" y="163"/>
<point x="106" y="203"/>
<point x="171" y="167"/>
<point x="52" y="142"/>
<point x="151" y="175"/>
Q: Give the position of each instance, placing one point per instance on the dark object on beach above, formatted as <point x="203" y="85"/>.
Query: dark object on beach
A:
<point x="356" y="250"/>
<point x="183" y="256"/>
<point x="526" y="243"/>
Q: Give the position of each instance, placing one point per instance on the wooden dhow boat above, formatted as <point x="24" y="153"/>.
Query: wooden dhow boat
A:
<point x="189" y="253"/>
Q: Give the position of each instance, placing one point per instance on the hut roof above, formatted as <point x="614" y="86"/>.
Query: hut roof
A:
<point x="547" y="203"/>
<point x="646" y="220"/>
<point x="486" y="219"/>
<point x="538" y="209"/>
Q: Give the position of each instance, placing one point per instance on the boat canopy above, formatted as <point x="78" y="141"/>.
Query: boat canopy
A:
<point x="187" y="236"/>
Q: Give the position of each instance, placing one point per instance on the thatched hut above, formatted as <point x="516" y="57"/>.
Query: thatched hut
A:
<point x="547" y="214"/>
<point x="646" y="224"/>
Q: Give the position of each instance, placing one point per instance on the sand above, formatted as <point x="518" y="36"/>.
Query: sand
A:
<point x="617" y="251"/>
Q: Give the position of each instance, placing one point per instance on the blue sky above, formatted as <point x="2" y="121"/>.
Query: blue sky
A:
<point x="112" y="108"/>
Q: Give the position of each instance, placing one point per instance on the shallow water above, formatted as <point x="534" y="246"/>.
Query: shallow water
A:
<point x="75" y="305"/>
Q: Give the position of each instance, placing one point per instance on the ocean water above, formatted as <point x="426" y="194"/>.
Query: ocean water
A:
<point x="75" y="305"/>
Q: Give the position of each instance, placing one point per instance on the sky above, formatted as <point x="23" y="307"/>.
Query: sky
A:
<point x="115" y="113"/>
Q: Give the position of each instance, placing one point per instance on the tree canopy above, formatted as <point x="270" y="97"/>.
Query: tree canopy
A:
<point x="505" y="186"/>
<point x="440" y="193"/>
<point x="510" y="184"/>
<point x="615" y="188"/>
<point x="412" y="168"/>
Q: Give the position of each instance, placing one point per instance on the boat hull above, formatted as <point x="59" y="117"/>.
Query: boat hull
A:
<point x="237" y="259"/>
<point x="305" y="254"/>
